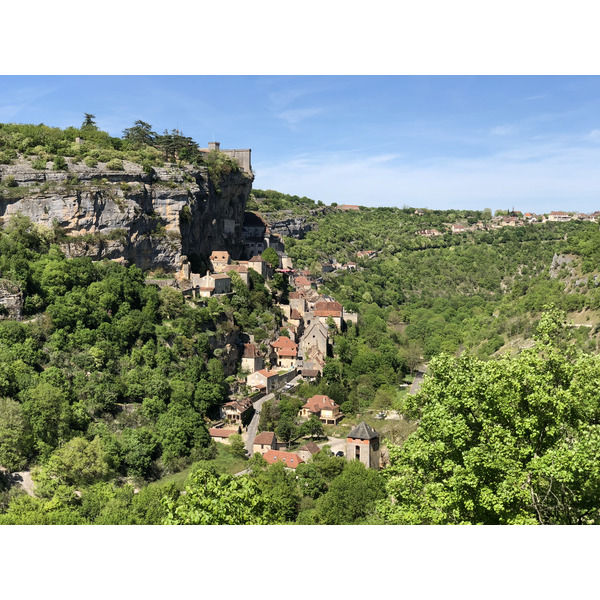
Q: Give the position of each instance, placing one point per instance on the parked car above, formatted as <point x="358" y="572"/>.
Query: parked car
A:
<point x="339" y="453"/>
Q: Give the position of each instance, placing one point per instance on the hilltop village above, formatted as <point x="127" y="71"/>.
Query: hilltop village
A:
<point x="308" y="319"/>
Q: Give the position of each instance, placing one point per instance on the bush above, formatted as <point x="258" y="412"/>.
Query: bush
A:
<point x="4" y="159"/>
<point x="39" y="164"/>
<point x="59" y="164"/>
<point x="9" y="181"/>
<point x="91" y="161"/>
<point x="116" y="164"/>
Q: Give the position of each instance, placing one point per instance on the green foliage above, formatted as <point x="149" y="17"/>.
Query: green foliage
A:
<point x="115" y="164"/>
<point x="270" y="256"/>
<point x="59" y="164"/>
<point x="500" y="442"/>
<point x="212" y="499"/>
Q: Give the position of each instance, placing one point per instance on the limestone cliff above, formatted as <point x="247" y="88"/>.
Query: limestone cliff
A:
<point x="147" y="219"/>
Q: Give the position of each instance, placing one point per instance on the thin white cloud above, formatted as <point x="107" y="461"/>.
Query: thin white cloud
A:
<point x="593" y="136"/>
<point x="294" y="116"/>
<point x="561" y="178"/>
<point x="504" y="130"/>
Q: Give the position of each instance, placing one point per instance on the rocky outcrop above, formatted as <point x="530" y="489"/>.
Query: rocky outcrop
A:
<point x="558" y="260"/>
<point x="11" y="301"/>
<point x="150" y="220"/>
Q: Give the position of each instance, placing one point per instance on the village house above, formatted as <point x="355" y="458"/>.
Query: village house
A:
<point x="264" y="442"/>
<point x="297" y="302"/>
<point x="251" y="359"/>
<point x="324" y="408"/>
<point x="307" y="451"/>
<point x="313" y="345"/>
<point x="219" y="259"/>
<point x="263" y="381"/>
<point x="559" y="216"/>
<point x="302" y="283"/>
<point x="286" y="262"/>
<point x="290" y="460"/>
<point x="286" y="351"/>
<point x="241" y="269"/>
<point x="221" y="435"/>
<point x="458" y="228"/>
<point x="237" y="411"/>
<point x="348" y="207"/>
<point x="211" y="285"/>
<point x="325" y="309"/>
<point x="259" y="265"/>
<point x="428" y="232"/>
<point x="295" y="319"/>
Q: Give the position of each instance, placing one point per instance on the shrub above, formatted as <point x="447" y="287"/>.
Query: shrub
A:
<point x="39" y="164"/>
<point x="59" y="164"/>
<point x="4" y="159"/>
<point x="9" y="181"/>
<point x="115" y="164"/>
<point x="90" y="161"/>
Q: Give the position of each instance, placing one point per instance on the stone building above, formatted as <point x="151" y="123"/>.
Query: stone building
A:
<point x="363" y="444"/>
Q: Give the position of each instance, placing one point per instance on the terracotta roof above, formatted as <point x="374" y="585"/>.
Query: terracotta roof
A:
<point x="236" y="268"/>
<point x="324" y="308"/>
<point x="292" y="352"/>
<point x="223" y="433"/>
<point x="240" y="405"/>
<point x="310" y="372"/>
<point x="219" y="255"/>
<point x="310" y="447"/>
<point x="284" y="342"/>
<point x="257" y="258"/>
<point x="289" y="459"/>
<point x="363" y="432"/>
<point x="295" y="295"/>
<point x="301" y="281"/>
<point x="251" y="351"/>
<point x="265" y="438"/>
<point x="319" y="402"/>
<point x="267" y="374"/>
<point x="295" y="314"/>
<point x="220" y="276"/>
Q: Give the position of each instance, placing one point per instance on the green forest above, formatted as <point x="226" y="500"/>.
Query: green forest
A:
<point x="108" y="385"/>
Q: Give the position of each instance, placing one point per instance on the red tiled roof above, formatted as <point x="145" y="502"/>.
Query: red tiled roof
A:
<point x="292" y="352"/>
<point x="289" y="459"/>
<point x="265" y="438"/>
<point x="310" y="447"/>
<point x="284" y="342"/>
<point x="295" y="314"/>
<point x="319" y="402"/>
<point x="301" y="281"/>
<point x="267" y="374"/>
<point x="219" y="255"/>
<point x="323" y="308"/>
<point x="222" y="433"/>
<point x="257" y="258"/>
<point x="251" y="351"/>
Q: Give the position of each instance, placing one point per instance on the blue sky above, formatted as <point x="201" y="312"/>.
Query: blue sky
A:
<point x="532" y="142"/>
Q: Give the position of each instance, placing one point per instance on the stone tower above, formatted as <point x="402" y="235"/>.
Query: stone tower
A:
<point x="363" y="444"/>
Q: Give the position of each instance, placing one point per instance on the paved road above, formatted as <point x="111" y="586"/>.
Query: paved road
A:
<point x="418" y="380"/>
<point x="253" y="425"/>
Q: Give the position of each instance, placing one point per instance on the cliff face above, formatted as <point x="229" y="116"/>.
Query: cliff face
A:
<point x="285" y="224"/>
<point x="149" y="220"/>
